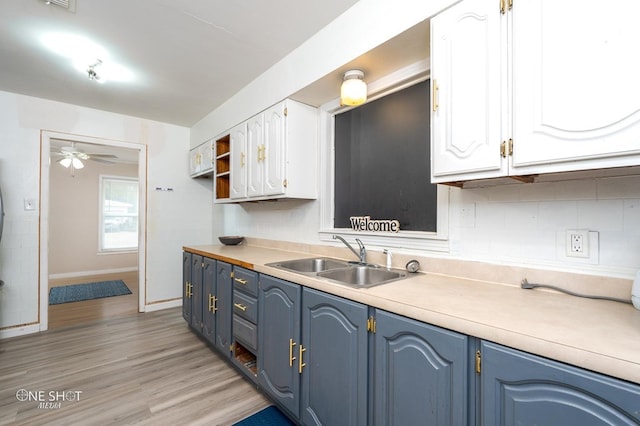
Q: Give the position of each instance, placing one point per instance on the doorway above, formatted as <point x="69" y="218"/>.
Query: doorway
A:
<point x="73" y="227"/>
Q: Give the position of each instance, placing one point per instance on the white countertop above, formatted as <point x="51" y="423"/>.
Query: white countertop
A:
<point x="598" y="335"/>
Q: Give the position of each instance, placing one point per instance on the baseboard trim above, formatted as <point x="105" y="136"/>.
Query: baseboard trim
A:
<point x="21" y="330"/>
<point x="165" y="304"/>
<point x="89" y="273"/>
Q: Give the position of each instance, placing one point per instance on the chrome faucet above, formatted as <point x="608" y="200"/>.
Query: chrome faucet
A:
<point x="363" y="252"/>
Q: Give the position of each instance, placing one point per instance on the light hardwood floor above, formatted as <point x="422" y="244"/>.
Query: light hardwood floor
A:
<point x="66" y="314"/>
<point x="127" y="368"/>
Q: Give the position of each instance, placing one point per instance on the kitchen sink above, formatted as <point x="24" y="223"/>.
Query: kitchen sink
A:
<point x="363" y="276"/>
<point x="310" y="266"/>
<point x="341" y="271"/>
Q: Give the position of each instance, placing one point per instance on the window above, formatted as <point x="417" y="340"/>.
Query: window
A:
<point x="118" y="213"/>
<point x="382" y="166"/>
<point x="400" y="167"/>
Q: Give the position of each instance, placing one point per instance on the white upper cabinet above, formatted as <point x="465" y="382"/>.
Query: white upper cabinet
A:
<point x="468" y="92"/>
<point x="275" y="148"/>
<point x="275" y="154"/>
<point x="201" y="159"/>
<point x="238" y="143"/>
<point x="576" y="81"/>
<point x="529" y="87"/>
<point x="255" y="155"/>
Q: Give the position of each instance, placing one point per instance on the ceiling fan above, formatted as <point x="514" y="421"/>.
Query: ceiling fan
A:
<point x="72" y="157"/>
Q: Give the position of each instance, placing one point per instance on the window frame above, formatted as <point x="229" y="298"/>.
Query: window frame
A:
<point x="419" y="240"/>
<point x="102" y="217"/>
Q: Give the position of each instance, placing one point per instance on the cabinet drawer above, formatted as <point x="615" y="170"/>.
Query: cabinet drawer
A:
<point x="245" y="306"/>
<point x="245" y="280"/>
<point x="245" y="332"/>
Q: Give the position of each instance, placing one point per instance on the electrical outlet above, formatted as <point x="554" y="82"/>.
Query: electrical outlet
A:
<point x="578" y="243"/>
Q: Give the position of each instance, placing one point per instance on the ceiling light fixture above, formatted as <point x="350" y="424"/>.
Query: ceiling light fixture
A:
<point x="91" y="71"/>
<point x="353" y="90"/>
<point x="74" y="162"/>
<point x="84" y="54"/>
<point x="71" y="163"/>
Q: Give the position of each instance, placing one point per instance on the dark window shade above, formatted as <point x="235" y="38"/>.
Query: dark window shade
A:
<point x="382" y="165"/>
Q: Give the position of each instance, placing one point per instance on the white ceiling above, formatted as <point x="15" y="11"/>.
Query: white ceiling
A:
<point x="187" y="56"/>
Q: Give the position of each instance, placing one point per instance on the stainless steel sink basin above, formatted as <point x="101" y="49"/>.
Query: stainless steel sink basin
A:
<point x="310" y="266"/>
<point x="341" y="271"/>
<point x="363" y="276"/>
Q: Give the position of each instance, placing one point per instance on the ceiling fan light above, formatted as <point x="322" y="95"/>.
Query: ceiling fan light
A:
<point x="65" y="162"/>
<point x="77" y="164"/>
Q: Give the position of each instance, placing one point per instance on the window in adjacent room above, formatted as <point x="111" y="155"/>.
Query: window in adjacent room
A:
<point x="118" y="213"/>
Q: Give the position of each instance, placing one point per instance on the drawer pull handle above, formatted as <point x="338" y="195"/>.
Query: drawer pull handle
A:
<point x="240" y="306"/>
<point x="241" y="281"/>
<point x="291" y="357"/>
<point x="188" y="289"/>
<point x="300" y="363"/>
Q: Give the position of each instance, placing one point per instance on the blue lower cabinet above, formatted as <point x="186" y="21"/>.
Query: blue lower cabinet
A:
<point x="220" y="307"/>
<point x="186" y="287"/>
<point x="523" y="389"/>
<point x="419" y="373"/>
<point x="279" y="351"/>
<point x="326" y="360"/>
<point x="334" y="359"/>
<point x="209" y="304"/>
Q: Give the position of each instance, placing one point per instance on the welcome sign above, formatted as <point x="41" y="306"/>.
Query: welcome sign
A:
<point x="364" y="223"/>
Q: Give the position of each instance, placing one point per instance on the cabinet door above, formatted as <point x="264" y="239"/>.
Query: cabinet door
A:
<point x="238" y="161"/>
<point x="196" y="292"/>
<point x="255" y="155"/>
<point x="469" y="91"/>
<point x="274" y="149"/>
<point x="210" y="300"/>
<point x="334" y="376"/>
<point x="420" y="373"/>
<point x="195" y="161"/>
<point x="576" y="92"/>
<point x="278" y="353"/>
<point x="523" y="389"/>
<point x="186" y="286"/>
<point x="224" y="289"/>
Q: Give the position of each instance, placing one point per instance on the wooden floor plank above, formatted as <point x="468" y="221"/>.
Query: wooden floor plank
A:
<point x="134" y="369"/>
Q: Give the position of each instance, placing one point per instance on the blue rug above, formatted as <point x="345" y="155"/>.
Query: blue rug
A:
<point x="269" y="416"/>
<point x="78" y="292"/>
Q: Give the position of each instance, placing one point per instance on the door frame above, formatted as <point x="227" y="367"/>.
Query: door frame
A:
<point x="43" y="243"/>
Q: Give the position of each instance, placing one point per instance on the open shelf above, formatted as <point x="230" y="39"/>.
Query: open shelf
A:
<point x="245" y="358"/>
<point x="223" y="167"/>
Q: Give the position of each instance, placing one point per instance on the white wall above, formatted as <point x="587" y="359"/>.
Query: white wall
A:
<point x="510" y="224"/>
<point x="173" y="218"/>
<point x="367" y="24"/>
<point x="74" y="221"/>
<point x="526" y="223"/>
